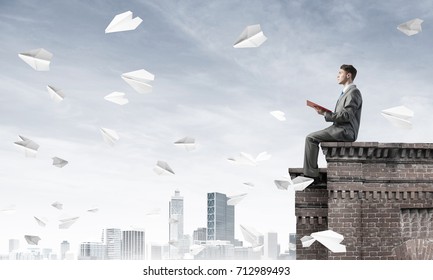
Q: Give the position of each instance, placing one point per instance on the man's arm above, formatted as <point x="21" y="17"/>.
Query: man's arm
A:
<point x="351" y="104"/>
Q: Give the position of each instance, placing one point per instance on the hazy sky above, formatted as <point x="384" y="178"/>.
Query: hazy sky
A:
<point x="204" y="88"/>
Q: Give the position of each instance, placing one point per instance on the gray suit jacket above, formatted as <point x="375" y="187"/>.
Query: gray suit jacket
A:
<point x="346" y="117"/>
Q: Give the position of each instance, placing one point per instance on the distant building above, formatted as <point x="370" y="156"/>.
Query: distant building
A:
<point x="199" y="235"/>
<point x="113" y="243"/>
<point x="216" y="250"/>
<point x="14" y="245"/>
<point x="220" y="218"/>
<point x="64" y="247"/>
<point x="271" y="249"/>
<point x="92" y="251"/>
<point x="159" y="251"/>
<point x="133" y="247"/>
<point x="175" y="224"/>
<point x="46" y="253"/>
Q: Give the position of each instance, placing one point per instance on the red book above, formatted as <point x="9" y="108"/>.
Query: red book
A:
<point x="314" y="105"/>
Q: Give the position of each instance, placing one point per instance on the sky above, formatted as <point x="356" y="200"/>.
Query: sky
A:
<point x="205" y="89"/>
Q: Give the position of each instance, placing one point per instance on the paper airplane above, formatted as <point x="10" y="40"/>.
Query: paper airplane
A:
<point x="29" y="147"/>
<point x="399" y="116"/>
<point x="251" y="37"/>
<point x="411" y="27"/>
<point x="188" y="143"/>
<point x="38" y="59"/>
<point x="40" y="222"/>
<point x="249" y="184"/>
<point x="93" y="210"/>
<point x="139" y="80"/>
<point x="66" y="223"/>
<point x="57" y="205"/>
<point x="233" y="200"/>
<point x="117" y="97"/>
<point x="195" y="249"/>
<point x="56" y="94"/>
<point x="58" y="162"/>
<point x="110" y="136"/>
<point x="278" y="115"/>
<point x="8" y="210"/>
<point x="32" y="239"/>
<point x="247" y="159"/>
<point x="123" y="22"/>
<point x="299" y="183"/>
<point x="162" y="168"/>
<point x="330" y="239"/>
<point x="251" y="235"/>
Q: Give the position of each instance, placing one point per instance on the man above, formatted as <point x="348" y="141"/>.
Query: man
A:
<point x="346" y="119"/>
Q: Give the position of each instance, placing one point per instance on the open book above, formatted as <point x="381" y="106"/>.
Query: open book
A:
<point x="314" y="105"/>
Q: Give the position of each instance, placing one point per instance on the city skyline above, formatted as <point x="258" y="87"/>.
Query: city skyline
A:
<point x="204" y="89"/>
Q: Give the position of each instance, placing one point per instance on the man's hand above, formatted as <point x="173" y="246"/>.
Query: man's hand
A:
<point x="319" y="111"/>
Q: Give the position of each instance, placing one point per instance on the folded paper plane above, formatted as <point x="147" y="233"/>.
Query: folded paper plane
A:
<point x="110" y="136"/>
<point x="32" y="239"/>
<point x="278" y="115"/>
<point x="249" y="184"/>
<point x="38" y="59"/>
<point x="139" y="80"/>
<point x="93" y="210"/>
<point x="328" y="238"/>
<point x="29" y="147"/>
<point x="58" y="162"/>
<point x="8" y="210"/>
<point x="251" y="37"/>
<point x="56" y="94"/>
<point x="411" y="27"/>
<point x="195" y="249"/>
<point x="188" y="143"/>
<point x="247" y="159"/>
<point x="57" y="205"/>
<point x="123" y="22"/>
<point x="399" y="116"/>
<point x="162" y="168"/>
<point x="233" y="200"/>
<point x="41" y="222"/>
<point x="117" y="97"/>
<point x="251" y="235"/>
<point x="66" y="223"/>
<point x="298" y="184"/>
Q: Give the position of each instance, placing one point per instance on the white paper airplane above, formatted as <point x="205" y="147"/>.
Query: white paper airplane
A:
<point x="58" y="162"/>
<point x="330" y="239"/>
<point x="41" y="221"/>
<point x="247" y="159"/>
<point x="117" y="97"/>
<point x="251" y="235"/>
<point x="57" y="205"/>
<point x="38" y="59"/>
<point x="139" y="80"/>
<point x="188" y="143"/>
<point x="249" y="184"/>
<point x="399" y="116"/>
<point x="29" y="147"/>
<point x="251" y="37"/>
<point x="66" y="223"/>
<point x="8" y="210"/>
<point x="162" y="168"/>
<point x="123" y="22"/>
<point x="195" y="249"/>
<point x="278" y="115"/>
<point x="32" y="239"/>
<point x="110" y="136"/>
<point x="411" y="27"/>
<point x="235" y="199"/>
<point x="56" y="94"/>
<point x="299" y="183"/>
<point x="93" y="210"/>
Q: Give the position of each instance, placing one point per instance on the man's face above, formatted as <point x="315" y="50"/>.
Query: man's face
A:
<point x="343" y="77"/>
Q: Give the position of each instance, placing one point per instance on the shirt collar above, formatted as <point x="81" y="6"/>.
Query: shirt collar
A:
<point x="347" y="87"/>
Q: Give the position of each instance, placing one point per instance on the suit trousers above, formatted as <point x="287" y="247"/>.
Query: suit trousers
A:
<point x="312" y="141"/>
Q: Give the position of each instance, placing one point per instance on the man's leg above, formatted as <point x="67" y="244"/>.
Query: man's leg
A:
<point x="311" y="152"/>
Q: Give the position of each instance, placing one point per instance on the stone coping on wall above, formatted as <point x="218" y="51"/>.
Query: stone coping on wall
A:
<point x="375" y="151"/>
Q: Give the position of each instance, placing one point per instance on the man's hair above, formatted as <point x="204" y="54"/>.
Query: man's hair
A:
<point x="350" y="69"/>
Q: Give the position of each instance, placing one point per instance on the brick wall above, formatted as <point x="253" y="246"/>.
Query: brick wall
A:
<point x="379" y="196"/>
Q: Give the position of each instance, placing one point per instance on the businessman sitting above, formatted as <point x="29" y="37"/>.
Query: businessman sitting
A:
<point x="346" y="120"/>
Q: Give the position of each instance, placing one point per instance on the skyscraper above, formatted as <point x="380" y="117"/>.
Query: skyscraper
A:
<point x="175" y="211"/>
<point x="199" y="235"/>
<point x="220" y="218"/>
<point x="133" y="245"/>
<point x="64" y="247"/>
<point x="113" y="245"/>
<point x="271" y="246"/>
<point x="14" y="244"/>
<point x="92" y="251"/>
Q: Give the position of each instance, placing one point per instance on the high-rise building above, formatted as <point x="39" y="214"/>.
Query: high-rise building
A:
<point x="14" y="245"/>
<point x="175" y="211"/>
<point x="159" y="251"/>
<point x="199" y="235"/>
<point x="220" y="218"/>
<point x="133" y="245"/>
<point x="64" y="247"/>
<point x="113" y="243"/>
<point x="92" y="251"/>
<point x="271" y="246"/>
